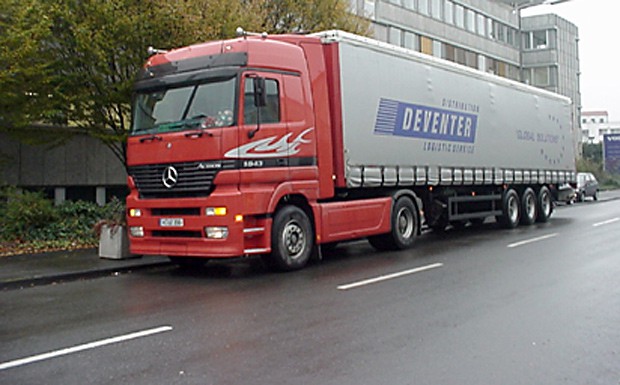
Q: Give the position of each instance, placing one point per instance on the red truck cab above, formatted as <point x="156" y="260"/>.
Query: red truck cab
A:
<point x="230" y="140"/>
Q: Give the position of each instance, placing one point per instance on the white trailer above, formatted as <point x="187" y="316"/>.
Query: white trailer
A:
<point x="410" y="119"/>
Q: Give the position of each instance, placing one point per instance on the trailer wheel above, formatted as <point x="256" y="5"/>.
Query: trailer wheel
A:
<point x="529" y="207"/>
<point x="404" y="223"/>
<point x="511" y="209"/>
<point x="545" y="205"/>
<point x="291" y="239"/>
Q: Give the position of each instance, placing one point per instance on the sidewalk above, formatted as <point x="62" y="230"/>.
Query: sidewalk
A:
<point x="21" y="271"/>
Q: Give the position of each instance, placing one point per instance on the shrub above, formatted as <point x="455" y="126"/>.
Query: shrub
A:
<point x="24" y="213"/>
<point x="30" y="218"/>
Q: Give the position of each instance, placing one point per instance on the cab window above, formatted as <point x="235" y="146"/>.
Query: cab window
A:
<point x="269" y="113"/>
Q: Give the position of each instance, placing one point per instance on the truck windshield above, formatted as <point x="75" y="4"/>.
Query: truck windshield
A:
<point x="197" y="106"/>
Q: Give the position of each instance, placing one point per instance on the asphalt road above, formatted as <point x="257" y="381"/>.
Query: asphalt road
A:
<point x="535" y="305"/>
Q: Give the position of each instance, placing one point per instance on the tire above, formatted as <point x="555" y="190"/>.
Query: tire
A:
<point x="595" y="196"/>
<point x="529" y="207"/>
<point x="405" y="224"/>
<point x="511" y="210"/>
<point x="579" y="197"/>
<point x="545" y="205"/>
<point x="292" y="238"/>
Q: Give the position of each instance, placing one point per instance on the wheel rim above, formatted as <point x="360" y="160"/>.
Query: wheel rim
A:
<point x="513" y="209"/>
<point x="293" y="239"/>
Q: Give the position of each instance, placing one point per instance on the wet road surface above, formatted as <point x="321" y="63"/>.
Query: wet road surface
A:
<point x="535" y="305"/>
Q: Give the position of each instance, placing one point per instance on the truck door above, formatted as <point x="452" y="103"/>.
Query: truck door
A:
<point x="263" y="140"/>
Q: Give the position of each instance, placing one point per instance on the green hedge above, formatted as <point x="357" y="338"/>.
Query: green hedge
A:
<point x="29" y="217"/>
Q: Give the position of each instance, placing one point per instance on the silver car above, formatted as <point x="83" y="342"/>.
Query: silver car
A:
<point x="587" y="186"/>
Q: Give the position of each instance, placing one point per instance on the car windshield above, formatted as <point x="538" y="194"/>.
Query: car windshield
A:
<point x="204" y="105"/>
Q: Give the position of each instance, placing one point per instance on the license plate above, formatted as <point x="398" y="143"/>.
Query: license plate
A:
<point x="171" y="222"/>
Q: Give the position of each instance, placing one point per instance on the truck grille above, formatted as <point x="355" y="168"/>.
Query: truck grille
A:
<point x="182" y="180"/>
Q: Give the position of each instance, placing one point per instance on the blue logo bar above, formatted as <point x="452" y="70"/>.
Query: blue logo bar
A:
<point x="417" y="121"/>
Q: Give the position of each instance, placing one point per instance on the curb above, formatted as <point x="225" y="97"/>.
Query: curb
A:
<point x="23" y="283"/>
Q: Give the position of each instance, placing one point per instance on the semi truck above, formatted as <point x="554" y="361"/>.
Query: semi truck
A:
<point x="276" y="146"/>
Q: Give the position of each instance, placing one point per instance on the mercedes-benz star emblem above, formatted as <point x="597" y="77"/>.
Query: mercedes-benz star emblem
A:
<point x="170" y="177"/>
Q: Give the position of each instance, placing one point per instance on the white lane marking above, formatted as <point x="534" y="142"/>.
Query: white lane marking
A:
<point x="527" y="241"/>
<point x="606" y="222"/>
<point x="389" y="276"/>
<point x="79" y="348"/>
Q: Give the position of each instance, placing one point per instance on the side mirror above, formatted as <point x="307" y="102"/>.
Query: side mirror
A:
<point x="260" y="92"/>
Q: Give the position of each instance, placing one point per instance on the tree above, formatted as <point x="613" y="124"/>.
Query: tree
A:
<point x="286" y="16"/>
<point x="67" y="66"/>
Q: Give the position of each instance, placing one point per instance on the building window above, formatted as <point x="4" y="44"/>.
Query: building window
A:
<point x="448" y="13"/>
<point x="411" y="41"/>
<point x="489" y="28"/>
<point x="449" y="52"/>
<point x="490" y="65"/>
<point x="539" y="39"/>
<point x="459" y="16"/>
<point x="541" y="76"/>
<point x="470" y="23"/>
<point x="510" y="38"/>
<point x="369" y="9"/>
<point x="437" y="48"/>
<point x="426" y="45"/>
<point x="500" y="32"/>
<point x="481" y="24"/>
<point x="394" y="36"/>
<point x="423" y="7"/>
<point x="436" y="9"/>
<point x="409" y="4"/>
<point x="512" y="72"/>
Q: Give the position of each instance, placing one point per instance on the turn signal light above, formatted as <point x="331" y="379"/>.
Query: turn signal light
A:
<point x="215" y="211"/>
<point x="135" y="213"/>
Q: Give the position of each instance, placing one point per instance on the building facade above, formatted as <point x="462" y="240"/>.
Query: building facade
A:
<point x="83" y="168"/>
<point x="550" y="60"/>
<point x="595" y="124"/>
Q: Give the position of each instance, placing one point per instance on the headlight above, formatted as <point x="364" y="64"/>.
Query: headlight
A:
<point x="216" y="232"/>
<point x="136" y="231"/>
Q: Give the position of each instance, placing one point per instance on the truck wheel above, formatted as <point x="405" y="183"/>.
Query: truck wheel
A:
<point x="291" y="239"/>
<point x="404" y="224"/>
<point x="545" y="205"/>
<point x="511" y="209"/>
<point x="528" y="207"/>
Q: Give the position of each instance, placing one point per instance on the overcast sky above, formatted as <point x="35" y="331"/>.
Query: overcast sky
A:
<point x="599" y="50"/>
